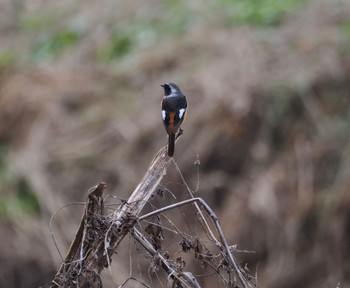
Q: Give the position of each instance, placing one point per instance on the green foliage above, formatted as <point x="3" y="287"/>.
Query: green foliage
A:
<point x="345" y="31"/>
<point x="7" y="59"/>
<point x="27" y="201"/>
<point x="55" y="44"/>
<point x="118" y="46"/>
<point x="36" y="22"/>
<point x="175" y="18"/>
<point x="16" y="196"/>
<point x="345" y="28"/>
<point x="258" y="12"/>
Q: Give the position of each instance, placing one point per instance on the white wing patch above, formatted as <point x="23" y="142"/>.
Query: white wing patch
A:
<point x="181" y="112"/>
<point x="163" y="114"/>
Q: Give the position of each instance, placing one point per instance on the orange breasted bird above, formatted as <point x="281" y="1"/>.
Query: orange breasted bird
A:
<point x="174" y="107"/>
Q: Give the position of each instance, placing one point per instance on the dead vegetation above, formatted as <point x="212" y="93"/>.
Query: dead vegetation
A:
<point x="99" y="237"/>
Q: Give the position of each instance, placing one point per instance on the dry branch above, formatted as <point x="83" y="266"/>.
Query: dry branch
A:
<point x="98" y="236"/>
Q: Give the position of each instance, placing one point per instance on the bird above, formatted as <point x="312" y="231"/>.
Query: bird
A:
<point x="174" y="108"/>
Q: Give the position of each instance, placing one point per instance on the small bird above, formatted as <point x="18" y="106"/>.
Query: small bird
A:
<point x="174" y="107"/>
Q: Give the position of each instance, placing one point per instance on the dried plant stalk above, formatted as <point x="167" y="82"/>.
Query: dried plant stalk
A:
<point x="98" y="236"/>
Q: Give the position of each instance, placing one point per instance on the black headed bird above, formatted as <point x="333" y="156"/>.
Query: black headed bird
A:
<point x="174" y="107"/>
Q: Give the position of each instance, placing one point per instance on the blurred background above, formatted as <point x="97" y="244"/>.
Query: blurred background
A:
<point x="268" y="86"/>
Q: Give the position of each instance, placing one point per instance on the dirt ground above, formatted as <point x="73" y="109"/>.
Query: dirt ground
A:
<point x="268" y="119"/>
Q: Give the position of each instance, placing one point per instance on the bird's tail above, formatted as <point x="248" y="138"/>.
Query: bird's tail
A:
<point x="171" y="145"/>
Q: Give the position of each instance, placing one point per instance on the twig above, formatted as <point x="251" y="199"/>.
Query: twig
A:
<point x="185" y="278"/>
<point x="137" y="280"/>
<point x="199" y="211"/>
<point x="51" y="228"/>
<point x="224" y="246"/>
